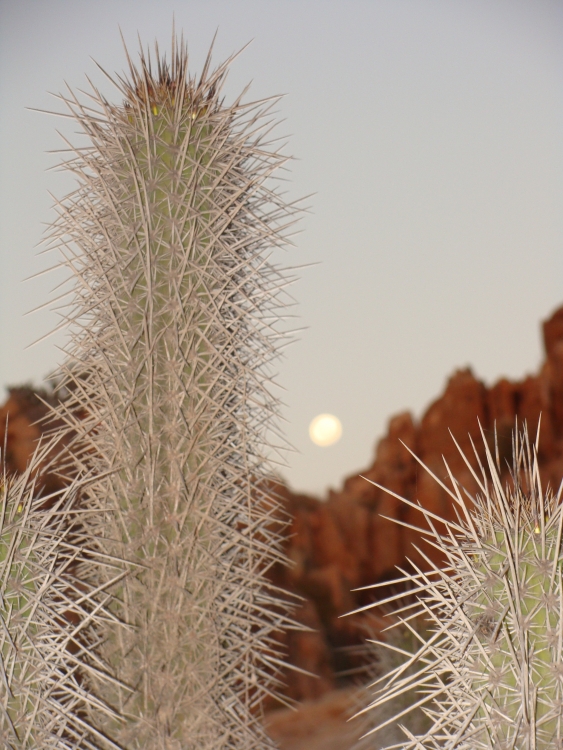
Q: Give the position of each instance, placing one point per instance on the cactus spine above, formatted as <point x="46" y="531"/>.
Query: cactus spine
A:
<point x="174" y="324"/>
<point x="491" y="673"/>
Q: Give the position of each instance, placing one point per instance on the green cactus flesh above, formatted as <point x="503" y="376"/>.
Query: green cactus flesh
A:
<point x="40" y="688"/>
<point x="173" y="330"/>
<point x="18" y="597"/>
<point x="518" y="650"/>
<point x="174" y="174"/>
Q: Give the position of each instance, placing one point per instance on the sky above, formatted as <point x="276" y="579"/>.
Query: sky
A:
<point x="429" y="134"/>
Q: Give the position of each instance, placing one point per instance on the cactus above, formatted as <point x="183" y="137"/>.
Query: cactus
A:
<point x="174" y="324"/>
<point x="381" y="658"/>
<point x="490" y="674"/>
<point x="43" y="607"/>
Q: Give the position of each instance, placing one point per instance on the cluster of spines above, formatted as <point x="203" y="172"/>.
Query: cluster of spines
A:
<point x="47" y="601"/>
<point x="490" y="675"/>
<point x="381" y="658"/>
<point x="173" y="326"/>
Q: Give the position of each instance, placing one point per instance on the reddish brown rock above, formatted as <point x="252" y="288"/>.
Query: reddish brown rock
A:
<point x="23" y="421"/>
<point x="19" y="428"/>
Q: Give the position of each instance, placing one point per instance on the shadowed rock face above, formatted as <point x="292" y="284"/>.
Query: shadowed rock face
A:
<point x="23" y="420"/>
<point x="342" y="543"/>
<point x="24" y="408"/>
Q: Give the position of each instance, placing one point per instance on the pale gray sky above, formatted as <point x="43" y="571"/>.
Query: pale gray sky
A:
<point x="431" y="132"/>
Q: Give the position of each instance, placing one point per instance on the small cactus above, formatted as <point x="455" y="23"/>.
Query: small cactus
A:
<point x="490" y="674"/>
<point x="43" y="607"/>
<point x="174" y="321"/>
<point x="381" y="658"/>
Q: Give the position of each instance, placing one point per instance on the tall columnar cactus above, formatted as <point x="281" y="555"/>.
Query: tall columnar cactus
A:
<point x="490" y="675"/>
<point x="174" y="320"/>
<point x="46" y="603"/>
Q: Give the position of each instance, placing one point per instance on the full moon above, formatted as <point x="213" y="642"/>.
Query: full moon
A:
<point x="325" y="429"/>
